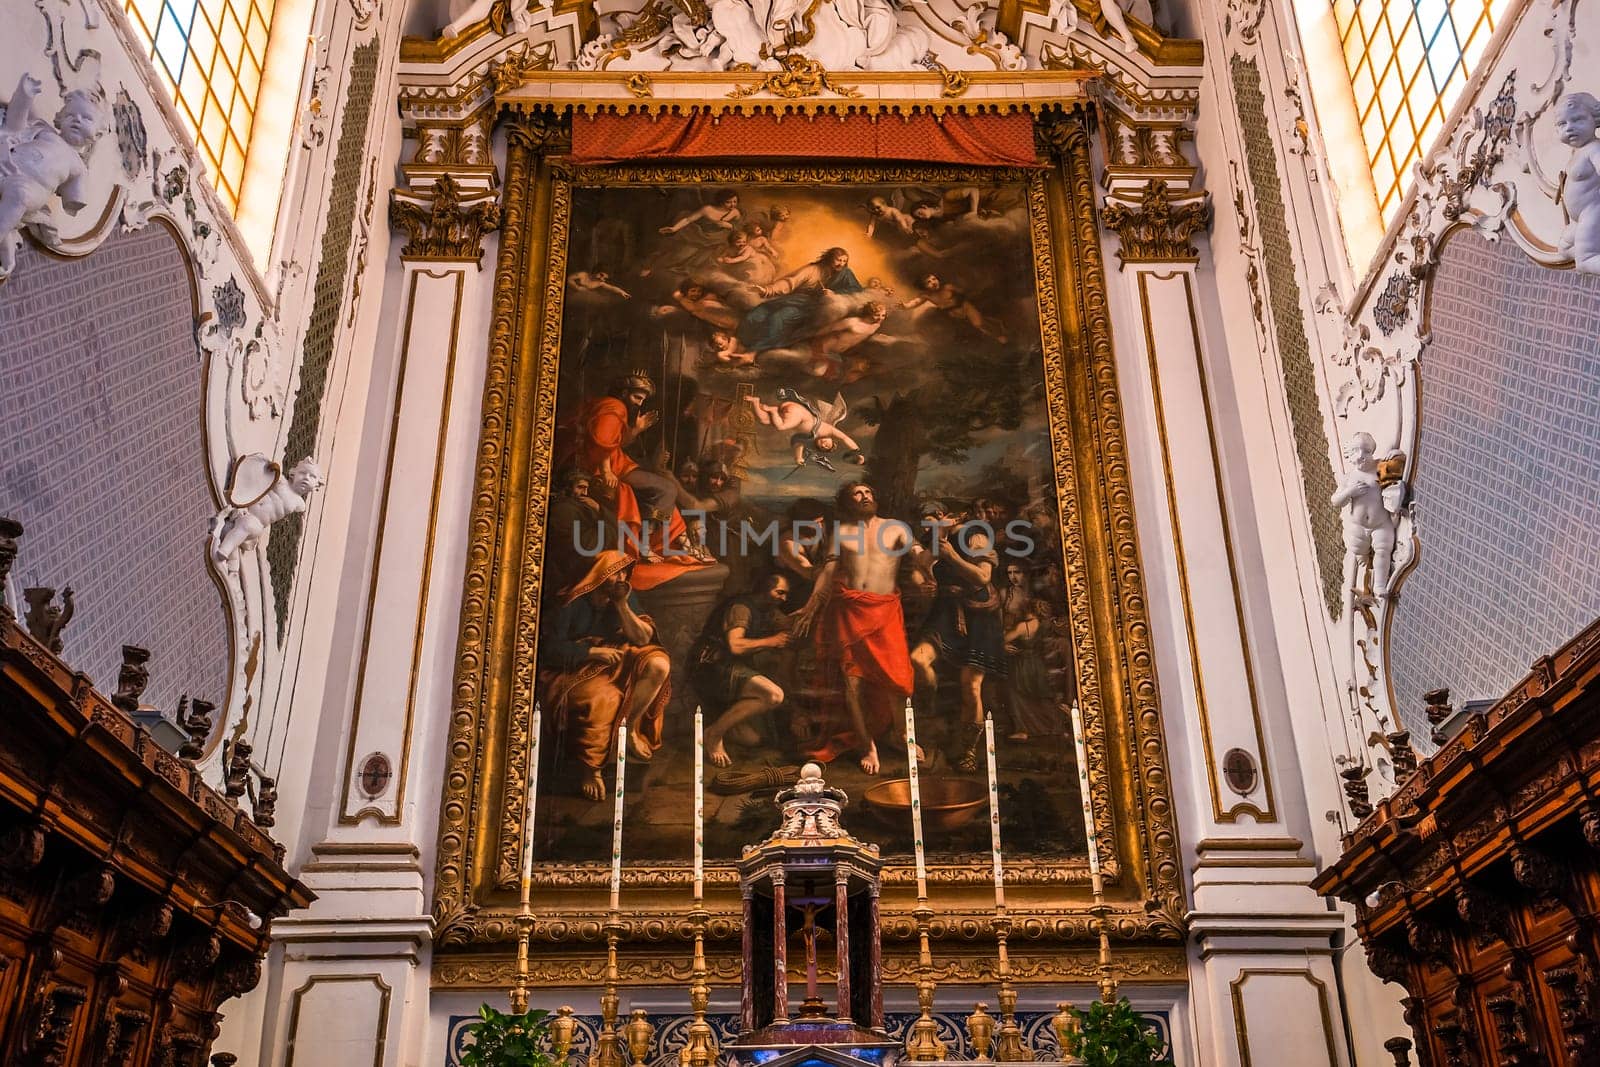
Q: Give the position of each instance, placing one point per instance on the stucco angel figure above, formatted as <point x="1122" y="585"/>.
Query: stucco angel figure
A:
<point x="39" y="160"/>
<point x="1371" y="515"/>
<point x="842" y="35"/>
<point x="1577" y="121"/>
<point x="259" y="494"/>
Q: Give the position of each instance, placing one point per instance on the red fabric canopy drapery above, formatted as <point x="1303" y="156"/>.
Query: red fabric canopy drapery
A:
<point x="994" y="140"/>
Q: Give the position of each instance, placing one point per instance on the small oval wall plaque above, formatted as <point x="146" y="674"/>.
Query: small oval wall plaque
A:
<point x="1239" y="769"/>
<point x="376" y="771"/>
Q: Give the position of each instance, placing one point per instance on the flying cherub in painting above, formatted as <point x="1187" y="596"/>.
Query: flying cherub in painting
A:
<point x="722" y="212"/>
<point x="725" y="348"/>
<point x="596" y="282"/>
<point x="816" y="434"/>
<point x="693" y="298"/>
<point x="888" y="215"/>
<point x="932" y="292"/>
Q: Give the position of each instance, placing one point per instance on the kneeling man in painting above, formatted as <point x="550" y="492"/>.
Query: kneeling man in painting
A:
<point x="601" y="666"/>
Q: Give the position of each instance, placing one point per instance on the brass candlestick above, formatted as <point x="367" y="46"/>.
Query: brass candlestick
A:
<point x="1010" y="1047"/>
<point x="519" y="991"/>
<point x="922" y="1040"/>
<point x="701" y="1048"/>
<point x="1102" y="915"/>
<point x="609" y="1053"/>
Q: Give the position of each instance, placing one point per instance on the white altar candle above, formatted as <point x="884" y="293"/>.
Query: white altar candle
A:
<point x="616" y="819"/>
<point x="994" y="813"/>
<point x="533" y="792"/>
<point x="916" y="803"/>
<point x="1083" y="789"/>
<point x="699" y="804"/>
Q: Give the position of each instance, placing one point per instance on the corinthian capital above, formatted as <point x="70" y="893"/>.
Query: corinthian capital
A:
<point x="444" y="220"/>
<point x="1156" y="226"/>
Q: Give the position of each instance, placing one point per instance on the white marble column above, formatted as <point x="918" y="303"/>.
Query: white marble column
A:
<point x="1261" y="964"/>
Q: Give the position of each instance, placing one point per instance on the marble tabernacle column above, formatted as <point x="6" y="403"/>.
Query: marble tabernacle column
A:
<point x="780" y="951"/>
<point x="841" y="940"/>
<point x="747" y="1004"/>
<point x="875" y="964"/>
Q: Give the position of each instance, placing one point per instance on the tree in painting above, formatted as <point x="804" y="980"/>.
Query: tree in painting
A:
<point x="803" y="474"/>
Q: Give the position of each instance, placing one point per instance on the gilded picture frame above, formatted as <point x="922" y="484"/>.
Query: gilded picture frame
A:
<point x="484" y="794"/>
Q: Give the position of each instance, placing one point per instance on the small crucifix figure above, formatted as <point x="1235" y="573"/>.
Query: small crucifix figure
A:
<point x="809" y="934"/>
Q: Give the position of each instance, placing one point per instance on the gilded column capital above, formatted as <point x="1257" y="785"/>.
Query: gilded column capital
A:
<point x="445" y="219"/>
<point x="1156" y="226"/>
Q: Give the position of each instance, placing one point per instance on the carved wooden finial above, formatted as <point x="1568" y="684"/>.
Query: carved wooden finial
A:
<point x="45" y="620"/>
<point x="1437" y="702"/>
<point x="132" y="678"/>
<point x="10" y="530"/>
<point x="196" y="722"/>
<point x="1355" y="790"/>
<point x="1403" y="756"/>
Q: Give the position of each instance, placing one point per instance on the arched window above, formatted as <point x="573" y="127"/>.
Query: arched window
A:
<point x="1409" y="61"/>
<point x="210" y="54"/>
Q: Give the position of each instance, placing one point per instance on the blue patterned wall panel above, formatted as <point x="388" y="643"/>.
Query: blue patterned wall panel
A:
<point x="672" y="1032"/>
<point x="1507" y="474"/>
<point x="102" y="458"/>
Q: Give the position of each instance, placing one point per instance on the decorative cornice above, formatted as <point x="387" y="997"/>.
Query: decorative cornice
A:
<point x="1157" y="228"/>
<point x="445" y="221"/>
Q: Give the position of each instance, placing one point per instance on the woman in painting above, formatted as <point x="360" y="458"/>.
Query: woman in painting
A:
<point x="1029" y="696"/>
<point x="698" y="237"/>
<point x="792" y="306"/>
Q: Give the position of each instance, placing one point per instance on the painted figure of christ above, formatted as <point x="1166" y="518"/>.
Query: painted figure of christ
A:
<point x="860" y="628"/>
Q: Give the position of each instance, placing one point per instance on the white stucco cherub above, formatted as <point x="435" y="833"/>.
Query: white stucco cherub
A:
<point x="259" y="494"/>
<point x="1371" y="511"/>
<point x="39" y="160"/>
<point x="1577" y="120"/>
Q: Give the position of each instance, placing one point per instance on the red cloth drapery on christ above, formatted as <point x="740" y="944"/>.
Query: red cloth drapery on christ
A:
<point x="993" y="140"/>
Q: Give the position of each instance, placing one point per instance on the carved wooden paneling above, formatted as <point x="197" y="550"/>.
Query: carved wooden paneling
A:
<point x="132" y="896"/>
<point x="1477" y="883"/>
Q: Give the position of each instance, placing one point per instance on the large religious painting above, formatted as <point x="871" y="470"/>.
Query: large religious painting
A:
<point x="799" y="448"/>
<point x="803" y="482"/>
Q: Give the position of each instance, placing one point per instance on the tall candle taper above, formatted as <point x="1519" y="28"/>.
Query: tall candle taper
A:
<point x="616" y="818"/>
<point x="1010" y="1047"/>
<point x="1088" y="801"/>
<point x="533" y="793"/>
<point x="994" y="813"/>
<point x="699" y="805"/>
<point x="519" y="992"/>
<point x="916" y="803"/>
<point x="922" y="1038"/>
<point x="1102" y="913"/>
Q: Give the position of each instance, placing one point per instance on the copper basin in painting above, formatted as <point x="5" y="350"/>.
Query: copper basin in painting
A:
<point x="946" y="802"/>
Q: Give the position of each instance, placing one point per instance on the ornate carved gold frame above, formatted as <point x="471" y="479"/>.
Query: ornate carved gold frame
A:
<point x="484" y="788"/>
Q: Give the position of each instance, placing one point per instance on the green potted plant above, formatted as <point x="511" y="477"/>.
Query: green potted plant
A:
<point x="1114" y="1035"/>
<point x="502" y="1040"/>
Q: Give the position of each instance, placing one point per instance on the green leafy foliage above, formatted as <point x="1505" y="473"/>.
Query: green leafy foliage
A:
<point x="1114" y="1035"/>
<point x="501" y="1040"/>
